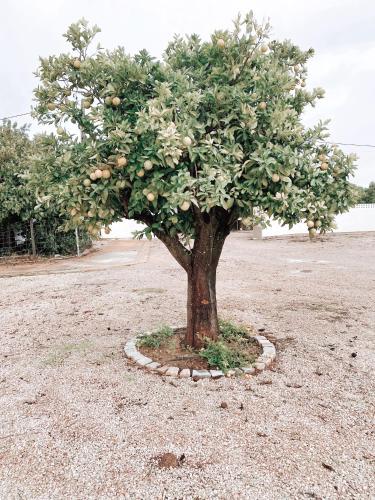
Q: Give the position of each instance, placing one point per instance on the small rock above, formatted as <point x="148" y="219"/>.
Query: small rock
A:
<point x="172" y="371"/>
<point x="224" y="405"/>
<point x="293" y="385"/>
<point x="216" y="374"/>
<point x="328" y="467"/>
<point x="168" y="461"/>
<point x="201" y="374"/>
<point x="261" y="434"/>
<point x="354" y="354"/>
<point x="185" y="373"/>
<point x="260" y="366"/>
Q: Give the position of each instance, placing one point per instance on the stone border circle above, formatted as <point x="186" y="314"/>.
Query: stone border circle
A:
<point x="267" y="357"/>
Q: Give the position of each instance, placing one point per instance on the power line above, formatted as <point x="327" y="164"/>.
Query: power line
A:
<point x="326" y="142"/>
<point x="350" y="144"/>
<point x="15" y="116"/>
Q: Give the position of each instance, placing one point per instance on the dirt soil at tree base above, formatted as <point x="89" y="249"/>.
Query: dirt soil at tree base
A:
<point x="175" y="353"/>
<point x="78" y="420"/>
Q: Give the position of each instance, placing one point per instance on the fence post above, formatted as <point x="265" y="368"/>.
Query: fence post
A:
<point x="32" y="238"/>
<point x="77" y="243"/>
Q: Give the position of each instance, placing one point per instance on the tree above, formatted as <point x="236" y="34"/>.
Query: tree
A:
<point x="368" y="195"/>
<point x="189" y="144"/>
<point x="23" y="191"/>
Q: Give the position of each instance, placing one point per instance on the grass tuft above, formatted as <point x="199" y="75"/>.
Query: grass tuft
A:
<point x="157" y="338"/>
<point x="230" y="331"/>
<point x="216" y="353"/>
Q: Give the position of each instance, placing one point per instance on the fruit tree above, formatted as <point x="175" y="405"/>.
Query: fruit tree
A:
<point x="189" y="144"/>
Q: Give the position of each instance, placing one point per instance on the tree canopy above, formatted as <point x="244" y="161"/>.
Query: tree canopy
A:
<point x="214" y="125"/>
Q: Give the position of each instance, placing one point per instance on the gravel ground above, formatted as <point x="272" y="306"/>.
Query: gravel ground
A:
<point x="77" y="420"/>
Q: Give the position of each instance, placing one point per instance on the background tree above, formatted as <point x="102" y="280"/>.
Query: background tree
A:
<point x="23" y="193"/>
<point x="368" y="194"/>
<point x="189" y="144"/>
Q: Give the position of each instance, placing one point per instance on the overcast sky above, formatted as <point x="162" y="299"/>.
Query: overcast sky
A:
<point x="341" y="31"/>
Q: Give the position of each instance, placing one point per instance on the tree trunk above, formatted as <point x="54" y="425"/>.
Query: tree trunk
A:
<point x="202" y="320"/>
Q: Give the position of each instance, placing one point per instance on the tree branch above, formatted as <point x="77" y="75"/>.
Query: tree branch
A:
<point x="174" y="245"/>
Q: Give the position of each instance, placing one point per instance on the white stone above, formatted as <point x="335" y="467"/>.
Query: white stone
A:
<point x="259" y="366"/>
<point x="216" y="373"/>
<point x="201" y="374"/>
<point x="153" y="365"/>
<point x="248" y="370"/>
<point x="185" y="373"/>
<point x="172" y="371"/>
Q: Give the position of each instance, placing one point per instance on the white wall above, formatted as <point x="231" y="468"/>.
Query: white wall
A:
<point x="360" y="218"/>
<point x="123" y="229"/>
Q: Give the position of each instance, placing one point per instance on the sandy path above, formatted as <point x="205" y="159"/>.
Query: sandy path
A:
<point x="78" y="421"/>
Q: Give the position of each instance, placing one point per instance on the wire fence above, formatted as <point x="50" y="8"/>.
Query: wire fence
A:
<point x="40" y="239"/>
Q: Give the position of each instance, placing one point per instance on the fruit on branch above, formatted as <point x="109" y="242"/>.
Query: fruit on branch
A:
<point x="148" y="165"/>
<point x="121" y="162"/>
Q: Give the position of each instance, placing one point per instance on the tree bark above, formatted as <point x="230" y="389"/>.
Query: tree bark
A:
<point x="202" y="319"/>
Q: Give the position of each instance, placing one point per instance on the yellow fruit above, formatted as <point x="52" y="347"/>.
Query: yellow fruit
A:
<point x="90" y="213"/>
<point x="324" y="166"/>
<point x="318" y="223"/>
<point x="121" y="162"/>
<point x="106" y="174"/>
<point x="296" y="68"/>
<point x="220" y="43"/>
<point x="77" y="63"/>
<point x="262" y="105"/>
<point x="86" y="103"/>
<point x="108" y="101"/>
<point x="185" y="206"/>
<point x="93" y="176"/>
<point x="310" y="224"/>
<point x="275" y="178"/>
<point x="73" y="212"/>
<point x="51" y="106"/>
<point x="98" y="173"/>
<point x="303" y="83"/>
<point x="322" y="157"/>
<point x="60" y="130"/>
<point x="147" y="165"/>
<point x="107" y="230"/>
<point x="141" y="173"/>
<point x="187" y="141"/>
<point x="312" y="232"/>
<point x="116" y="101"/>
<point x="87" y="183"/>
<point x="150" y="196"/>
<point x="264" y="48"/>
